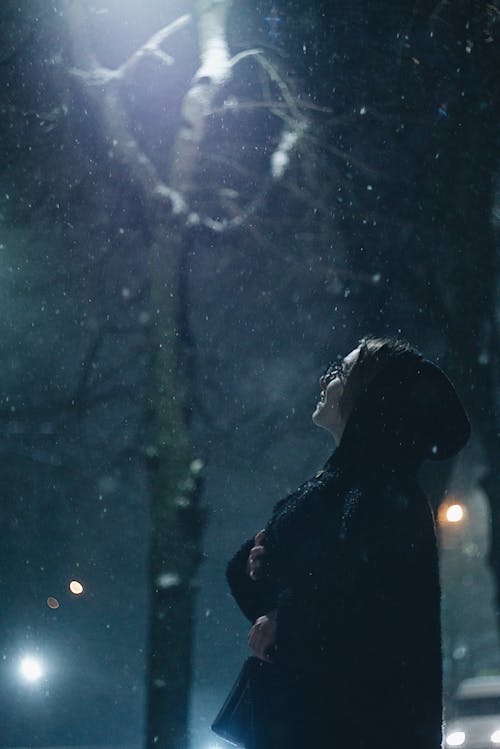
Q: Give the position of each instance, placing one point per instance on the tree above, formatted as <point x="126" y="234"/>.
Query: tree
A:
<point x="173" y="212"/>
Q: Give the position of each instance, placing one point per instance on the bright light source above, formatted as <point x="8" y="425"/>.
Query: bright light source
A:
<point x="31" y="668"/>
<point x="454" y="513"/>
<point x="495" y="737"/>
<point x="456" y="738"/>
<point x="76" y="587"/>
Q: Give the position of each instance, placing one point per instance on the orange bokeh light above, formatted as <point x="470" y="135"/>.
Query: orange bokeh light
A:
<point x="455" y="513"/>
<point x="451" y="513"/>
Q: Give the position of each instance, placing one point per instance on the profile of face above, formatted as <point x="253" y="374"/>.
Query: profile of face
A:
<point x="328" y="412"/>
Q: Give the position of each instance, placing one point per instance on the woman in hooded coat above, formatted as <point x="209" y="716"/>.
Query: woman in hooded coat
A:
<point x="342" y="586"/>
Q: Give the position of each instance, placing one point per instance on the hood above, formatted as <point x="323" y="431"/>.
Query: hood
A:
<point x="408" y="413"/>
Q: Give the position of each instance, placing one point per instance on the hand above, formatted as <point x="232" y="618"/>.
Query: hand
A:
<point x="256" y="557"/>
<point x="262" y="636"/>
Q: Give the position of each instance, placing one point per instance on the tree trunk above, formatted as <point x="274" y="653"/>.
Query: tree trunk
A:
<point x="176" y="515"/>
<point x="177" y="518"/>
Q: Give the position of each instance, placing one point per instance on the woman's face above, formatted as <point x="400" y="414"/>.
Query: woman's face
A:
<point x="328" y="413"/>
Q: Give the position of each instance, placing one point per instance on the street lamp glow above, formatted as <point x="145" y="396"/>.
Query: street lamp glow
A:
<point x="76" y="587"/>
<point x="455" y="513"/>
<point x="31" y="669"/>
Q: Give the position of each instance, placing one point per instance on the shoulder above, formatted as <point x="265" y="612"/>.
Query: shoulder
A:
<point x="300" y="511"/>
<point x="304" y="495"/>
<point x="387" y="508"/>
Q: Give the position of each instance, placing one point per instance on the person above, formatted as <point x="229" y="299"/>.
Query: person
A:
<point x="342" y="586"/>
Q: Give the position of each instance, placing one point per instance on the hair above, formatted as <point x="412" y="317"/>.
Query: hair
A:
<point x="374" y="355"/>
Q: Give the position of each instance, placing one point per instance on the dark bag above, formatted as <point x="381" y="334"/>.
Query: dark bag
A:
<point x="236" y="720"/>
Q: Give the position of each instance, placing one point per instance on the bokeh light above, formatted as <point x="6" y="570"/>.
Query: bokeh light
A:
<point x="52" y="602"/>
<point x="451" y="513"/>
<point x="31" y="668"/>
<point x="456" y="738"/>
<point x="76" y="587"/>
<point x="455" y="513"/>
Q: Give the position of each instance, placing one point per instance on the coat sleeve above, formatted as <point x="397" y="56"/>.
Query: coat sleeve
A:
<point x="254" y="597"/>
<point x="257" y="597"/>
<point x="302" y="553"/>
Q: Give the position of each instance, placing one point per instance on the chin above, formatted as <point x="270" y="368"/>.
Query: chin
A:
<point x="318" y="419"/>
<point x="316" y="416"/>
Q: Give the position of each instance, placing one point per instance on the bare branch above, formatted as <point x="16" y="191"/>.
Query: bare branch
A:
<point x="295" y="125"/>
<point x="101" y="76"/>
<point x="213" y="72"/>
<point x="153" y="46"/>
<point x="349" y="158"/>
<point x="233" y="105"/>
<point x="327" y="271"/>
<point x="287" y="95"/>
<point x="103" y="86"/>
<point x="242" y="55"/>
<point x="116" y="128"/>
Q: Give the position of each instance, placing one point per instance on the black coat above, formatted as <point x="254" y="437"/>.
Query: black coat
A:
<point x="352" y="568"/>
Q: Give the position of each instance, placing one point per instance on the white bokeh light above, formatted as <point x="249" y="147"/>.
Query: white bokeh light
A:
<point x="495" y="737"/>
<point x="30" y="668"/>
<point x="457" y="738"/>
<point x="76" y="587"/>
<point x="455" y="513"/>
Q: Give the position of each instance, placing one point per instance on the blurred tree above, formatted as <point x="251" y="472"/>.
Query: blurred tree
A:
<point x="175" y="207"/>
